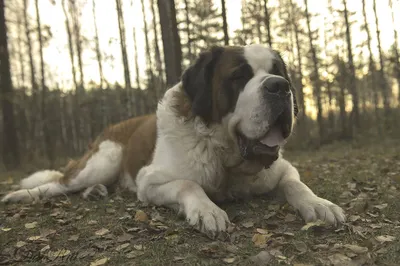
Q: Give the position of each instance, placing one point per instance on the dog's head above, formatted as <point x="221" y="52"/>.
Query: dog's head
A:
<point x="248" y="90"/>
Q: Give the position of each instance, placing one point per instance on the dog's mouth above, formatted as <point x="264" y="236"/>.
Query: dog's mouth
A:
<point x="266" y="148"/>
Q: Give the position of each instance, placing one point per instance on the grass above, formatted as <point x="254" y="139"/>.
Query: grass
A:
<point x="363" y="179"/>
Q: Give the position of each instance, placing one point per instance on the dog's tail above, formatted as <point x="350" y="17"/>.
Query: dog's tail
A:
<point x="40" y="178"/>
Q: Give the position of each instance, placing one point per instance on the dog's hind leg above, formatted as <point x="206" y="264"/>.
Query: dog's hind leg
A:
<point x="100" y="167"/>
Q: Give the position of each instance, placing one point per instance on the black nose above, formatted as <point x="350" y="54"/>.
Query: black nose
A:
<point x="277" y="85"/>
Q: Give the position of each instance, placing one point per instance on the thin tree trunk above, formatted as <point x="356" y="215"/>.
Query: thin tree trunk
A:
<point x="45" y="122"/>
<point x="97" y="46"/>
<point x="121" y="27"/>
<point x="267" y="21"/>
<point x="140" y="103"/>
<point x="157" y="53"/>
<point x="355" y="113"/>
<point x="315" y="75"/>
<point x="224" y="23"/>
<point x="171" y="41"/>
<point x="371" y="62"/>
<point x="78" y="42"/>
<point x="11" y="156"/>
<point x="188" y="32"/>
<point x="20" y="53"/>
<point x="396" y="52"/>
<point x="382" y="78"/>
<point x="70" y="45"/>
<point x="147" y="43"/>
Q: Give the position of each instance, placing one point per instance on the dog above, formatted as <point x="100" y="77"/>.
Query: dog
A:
<point x="216" y="135"/>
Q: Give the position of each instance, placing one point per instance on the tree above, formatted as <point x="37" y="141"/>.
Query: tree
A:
<point x="171" y="40"/>
<point x="267" y="21"/>
<point x="315" y="77"/>
<point x="224" y="23"/>
<point x="396" y="54"/>
<point x="355" y="114"/>
<point x="97" y="46"/>
<point x="11" y="157"/>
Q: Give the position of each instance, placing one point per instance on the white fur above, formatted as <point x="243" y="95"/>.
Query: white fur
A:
<point x="39" y="178"/>
<point x="101" y="169"/>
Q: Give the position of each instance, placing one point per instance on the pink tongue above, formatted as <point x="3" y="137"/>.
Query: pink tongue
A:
<point x="273" y="138"/>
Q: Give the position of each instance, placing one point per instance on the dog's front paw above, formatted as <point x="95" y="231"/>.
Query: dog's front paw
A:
<point x="313" y="208"/>
<point x="22" y="195"/>
<point x="207" y="217"/>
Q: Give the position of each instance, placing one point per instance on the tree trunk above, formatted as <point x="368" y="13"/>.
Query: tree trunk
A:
<point x="157" y="54"/>
<point x="121" y="27"/>
<point x="315" y="75"/>
<point x="371" y="63"/>
<point x="382" y="78"/>
<point x="10" y="151"/>
<point x="147" y="43"/>
<point x="396" y="53"/>
<point x="140" y="103"/>
<point x="355" y="113"/>
<point x="224" y="23"/>
<point x="188" y="32"/>
<point x="97" y="46"/>
<point x="267" y="21"/>
<point x="45" y="123"/>
<point x="171" y="41"/>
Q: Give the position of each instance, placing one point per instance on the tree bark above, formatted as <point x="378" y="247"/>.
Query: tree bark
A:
<point x="355" y="113"/>
<point x="11" y="156"/>
<point x="267" y="21"/>
<point x="171" y="41"/>
<point x="396" y="53"/>
<point x="371" y="62"/>
<point x="315" y="74"/>
<point x="188" y="31"/>
<point x="45" y="122"/>
<point x="97" y="46"/>
<point x="224" y="23"/>
<point x="157" y="53"/>
<point x="382" y="78"/>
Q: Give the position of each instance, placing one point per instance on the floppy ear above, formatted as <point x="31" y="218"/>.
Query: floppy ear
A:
<point x="197" y="82"/>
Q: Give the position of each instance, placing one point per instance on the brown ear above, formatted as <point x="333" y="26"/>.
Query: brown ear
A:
<point x="197" y="82"/>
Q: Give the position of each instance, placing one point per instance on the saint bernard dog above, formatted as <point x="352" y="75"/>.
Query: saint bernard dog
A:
<point x="216" y="135"/>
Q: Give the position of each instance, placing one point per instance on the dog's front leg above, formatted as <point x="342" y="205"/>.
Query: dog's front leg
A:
<point x="285" y="177"/>
<point x="156" y="186"/>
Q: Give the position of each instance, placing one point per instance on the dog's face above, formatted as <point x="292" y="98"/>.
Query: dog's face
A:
<point x="248" y="90"/>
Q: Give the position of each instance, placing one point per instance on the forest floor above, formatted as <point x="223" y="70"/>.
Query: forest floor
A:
<point x="364" y="180"/>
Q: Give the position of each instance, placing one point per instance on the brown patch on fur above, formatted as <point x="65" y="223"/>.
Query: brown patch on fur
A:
<point x="182" y="106"/>
<point x="133" y="134"/>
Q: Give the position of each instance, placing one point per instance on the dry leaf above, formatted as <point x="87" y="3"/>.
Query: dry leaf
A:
<point x="102" y="232"/>
<point x="317" y="223"/>
<point x="381" y="206"/>
<point x="30" y="225"/>
<point x="47" y="232"/>
<point x="121" y="247"/>
<point x="59" y="253"/>
<point x="356" y="249"/>
<point x="5" y="229"/>
<point x="99" y="262"/>
<point x="353" y="218"/>
<point x="44" y="249"/>
<point x="262" y="231"/>
<point x="290" y="218"/>
<point x="92" y="222"/>
<point x="262" y="258"/>
<point x="385" y="238"/>
<point x="125" y="237"/>
<point x="260" y="240"/>
<point x="134" y="254"/>
<point x="339" y="259"/>
<point x="138" y="247"/>
<point x="34" y="238"/>
<point x="141" y="216"/>
<point x="20" y="244"/>
<point x="301" y="246"/>
<point x="73" y="238"/>
<point x="248" y="224"/>
<point x="229" y="260"/>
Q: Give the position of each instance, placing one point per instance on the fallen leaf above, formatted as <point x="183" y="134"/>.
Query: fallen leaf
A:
<point x="381" y="206"/>
<point x="262" y="231"/>
<point x="269" y="215"/>
<point x="385" y="238"/>
<point x="92" y="222"/>
<point x="138" y="247"/>
<point x="73" y="238"/>
<point x="59" y="253"/>
<point x="102" y="232"/>
<point x="44" y="249"/>
<point x="141" y="216"/>
<point x="134" y="254"/>
<point x="260" y="240"/>
<point x="339" y="259"/>
<point x="317" y="223"/>
<point x="290" y="218"/>
<point x="229" y="260"/>
<point x="125" y="237"/>
<point x="31" y="225"/>
<point x="248" y="224"/>
<point x="178" y="258"/>
<point x="262" y="258"/>
<point x="356" y="249"/>
<point x="47" y="232"/>
<point x="20" y="244"/>
<point x="353" y="218"/>
<point x="5" y="229"/>
<point x="34" y="238"/>
<point x="99" y="262"/>
<point x="300" y="246"/>
<point x="121" y="247"/>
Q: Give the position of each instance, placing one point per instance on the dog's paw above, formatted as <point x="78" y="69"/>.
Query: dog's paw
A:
<point x="314" y="208"/>
<point x="22" y="195"/>
<point x="207" y="217"/>
<point x="96" y="191"/>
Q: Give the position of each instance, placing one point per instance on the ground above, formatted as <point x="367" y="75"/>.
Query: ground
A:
<point x="363" y="179"/>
